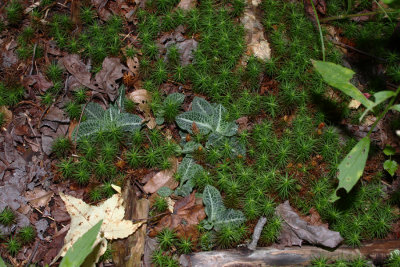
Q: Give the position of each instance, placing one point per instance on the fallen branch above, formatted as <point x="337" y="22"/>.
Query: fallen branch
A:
<point x="293" y="256"/>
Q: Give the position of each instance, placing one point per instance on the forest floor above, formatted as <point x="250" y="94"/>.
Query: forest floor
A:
<point x="207" y="115"/>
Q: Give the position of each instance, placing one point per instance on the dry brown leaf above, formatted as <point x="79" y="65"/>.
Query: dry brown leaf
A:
<point x="354" y="104"/>
<point x="163" y="178"/>
<point x="257" y="45"/>
<point x="112" y="70"/>
<point x="187" y="4"/>
<point x="78" y="69"/>
<point x="7" y="116"/>
<point x="38" y="197"/>
<point x="85" y="216"/>
<point x="133" y="65"/>
<point x="187" y="214"/>
<point x="143" y="98"/>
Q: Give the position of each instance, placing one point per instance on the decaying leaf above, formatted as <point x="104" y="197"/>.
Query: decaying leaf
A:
<point x="143" y="98"/>
<point x="257" y="44"/>
<point x="187" y="4"/>
<point x="39" y="197"/>
<point x="84" y="217"/>
<point x="7" y="116"/>
<point x="78" y="69"/>
<point x="163" y="178"/>
<point x="187" y="214"/>
<point x="106" y="78"/>
<point x="296" y="230"/>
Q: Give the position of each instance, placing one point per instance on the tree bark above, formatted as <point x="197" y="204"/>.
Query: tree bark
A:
<point x="293" y="256"/>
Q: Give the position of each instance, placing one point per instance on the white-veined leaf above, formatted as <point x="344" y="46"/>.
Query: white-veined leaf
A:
<point x="87" y="128"/>
<point x="229" y="217"/>
<point x="220" y="124"/>
<point x="203" y="122"/>
<point x="121" y="99"/>
<point x="129" y="122"/>
<point x="202" y="106"/>
<point x="94" y="111"/>
<point x="112" y="114"/>
<point x="212" y="200"/>
<point x="177" y="98"/>
<point x="187" y="169"/>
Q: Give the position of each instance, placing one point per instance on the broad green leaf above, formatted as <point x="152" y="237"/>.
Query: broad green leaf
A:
<point x="229" y="217"/>
<point x="352" y="166"/>
<point x="164" y="191"/>
<point x="111" y="114"/>
<point x="190" y="147"/>
<point x="379" y="98"/>
<point x="2" y="263"/>
<point x="212" y="200"/>
<point x="214" y="139"/>
<point x="339" y="77"/>
<point x="188" y="168"/>
<point x="389" y="151"/>
<point x="177" y="98"/>
<point x="77" y="254"/>
<point x="87" y="128"/>
<point x="220" y="124"/>
<point x="186" y="120"/>
<point x="121" y="99"/>
<point x="185" y="189"/>
<point x="202" y="106"/>
<point x="129" y="122"/>
<point x="396" y="107"/>
<point x="390" y="166"/>
<point x="94" y="111"/>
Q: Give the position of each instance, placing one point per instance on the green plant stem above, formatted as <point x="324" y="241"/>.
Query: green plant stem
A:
<point x="349" y="5"/>
<point x="320" y="30"/>
<point x="355" y="15"/>
<point x="384" y="112"/>
<point x="383" y="10"/>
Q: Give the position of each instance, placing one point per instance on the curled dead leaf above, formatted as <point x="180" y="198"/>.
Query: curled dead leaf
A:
<point x="163" y="178"/>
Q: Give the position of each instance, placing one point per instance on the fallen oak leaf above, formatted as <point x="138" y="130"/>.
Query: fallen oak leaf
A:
<point x="187" y="214"/>
<point x="84" y="216"/>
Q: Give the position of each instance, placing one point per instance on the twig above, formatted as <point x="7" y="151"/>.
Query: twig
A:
<point x="139" y="185"/>
<point x="32" y="254"/>
<point x="257" y="232"/>
<point x="152" y="217"/>
<point x="356" y="50"/>
<point x="33" y="58"/>
<point x="355" y="15"/>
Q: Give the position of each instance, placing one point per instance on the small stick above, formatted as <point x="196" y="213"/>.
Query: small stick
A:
<point x="356" y="50"/>
<point x="32" y="254"/>
<point x="257" y="232"/>
<point x="33" y="58"/>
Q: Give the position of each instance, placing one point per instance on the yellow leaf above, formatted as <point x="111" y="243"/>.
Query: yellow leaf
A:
<point x="85" y="216"/>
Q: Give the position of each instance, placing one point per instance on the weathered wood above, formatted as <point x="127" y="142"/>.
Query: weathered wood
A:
<point x="293" y="256"/>
<point x="129" y="251"/>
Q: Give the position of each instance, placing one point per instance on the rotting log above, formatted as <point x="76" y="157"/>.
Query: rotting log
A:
<point x="129" y="251"/>
<point x="292" y="256"/>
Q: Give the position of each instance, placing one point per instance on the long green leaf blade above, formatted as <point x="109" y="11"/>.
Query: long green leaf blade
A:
<point x="339" y="77"/>
<point x="77" y="254"/>
<point x="352" y="166"/>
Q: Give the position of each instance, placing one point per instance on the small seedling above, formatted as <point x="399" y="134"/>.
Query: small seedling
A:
<point x="61" y="147"/>
<point x="185" y="245"/>
<point x="166" y="238"/>
<point x="13" y="246"/>
<point x="27" y="234"/>
<point x="7" y="216"/>
<point x="14" y="12"/>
